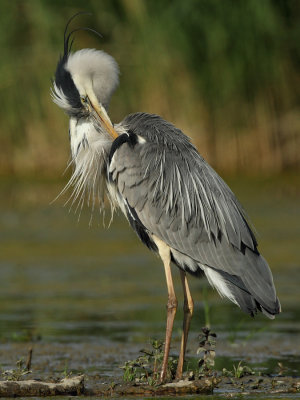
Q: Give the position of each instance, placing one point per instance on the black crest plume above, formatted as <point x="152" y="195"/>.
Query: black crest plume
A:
<point x="63" y="79"/>
<point x="67" y="37"/>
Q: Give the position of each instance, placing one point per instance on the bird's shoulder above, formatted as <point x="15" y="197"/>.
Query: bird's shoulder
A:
<point x="156" y="143"/>
<point x="162" y="176"/>
<point x="156" y="130"/>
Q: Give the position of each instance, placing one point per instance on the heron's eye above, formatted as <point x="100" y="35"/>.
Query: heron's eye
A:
<point x="84" y="99"/>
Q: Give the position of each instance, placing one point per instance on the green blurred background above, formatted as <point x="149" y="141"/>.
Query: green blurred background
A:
<point x="225" y="72"/>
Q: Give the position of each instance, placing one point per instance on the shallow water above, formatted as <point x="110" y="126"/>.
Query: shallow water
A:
<point x="74" y="289"/>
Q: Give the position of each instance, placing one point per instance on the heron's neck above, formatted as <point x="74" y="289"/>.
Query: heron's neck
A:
<point x="86" y="139"/>
<point x="90" y="148"/>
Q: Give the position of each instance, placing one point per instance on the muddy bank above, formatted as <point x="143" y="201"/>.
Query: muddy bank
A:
<point x="219" y="385"/>
<point x="94" y="370"/>
<point x="76" y="386"/>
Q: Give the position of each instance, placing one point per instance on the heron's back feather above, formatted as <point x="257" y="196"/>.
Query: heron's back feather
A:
<point x="179" y="198"/>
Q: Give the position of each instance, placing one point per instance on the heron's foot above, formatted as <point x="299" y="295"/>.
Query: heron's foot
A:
<point x="164" y="369"/>
<point x="162" y="379"/>
<point x="178" y="375"/>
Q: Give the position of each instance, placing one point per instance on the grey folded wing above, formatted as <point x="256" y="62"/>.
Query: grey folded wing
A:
<point x="170" y="191"/>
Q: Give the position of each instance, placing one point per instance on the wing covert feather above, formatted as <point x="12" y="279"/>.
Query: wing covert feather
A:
<point x="179" y="198"/>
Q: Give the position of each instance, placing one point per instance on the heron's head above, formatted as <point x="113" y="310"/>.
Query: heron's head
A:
<point x="84" y="82"/>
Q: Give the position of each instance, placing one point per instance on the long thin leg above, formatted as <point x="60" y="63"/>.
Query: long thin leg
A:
<point x="171" y="311"/>
<point x="188" y="308"/>
<point x="164" y="252"/>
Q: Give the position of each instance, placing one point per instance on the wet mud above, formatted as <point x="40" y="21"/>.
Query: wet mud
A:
<point x="99" y="367"/>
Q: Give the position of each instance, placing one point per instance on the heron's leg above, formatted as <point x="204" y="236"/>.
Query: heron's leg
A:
<point x="164" y="252"/>
<point x="188" y="308"/>
<point x="171" y="311"/>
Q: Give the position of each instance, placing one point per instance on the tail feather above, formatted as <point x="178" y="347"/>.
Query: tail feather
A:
<point x="234" y="289"/>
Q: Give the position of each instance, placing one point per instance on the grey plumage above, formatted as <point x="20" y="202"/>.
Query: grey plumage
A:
<point x="179" y="198"/>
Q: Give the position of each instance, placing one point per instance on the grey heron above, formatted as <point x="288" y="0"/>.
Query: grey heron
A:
<point x="175" y="202"/>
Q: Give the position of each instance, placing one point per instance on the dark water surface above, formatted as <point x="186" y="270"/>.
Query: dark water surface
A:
<point x="72" y="289"/>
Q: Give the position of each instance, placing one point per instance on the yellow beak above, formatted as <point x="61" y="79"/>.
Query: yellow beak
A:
<point x="104" y="118"/>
